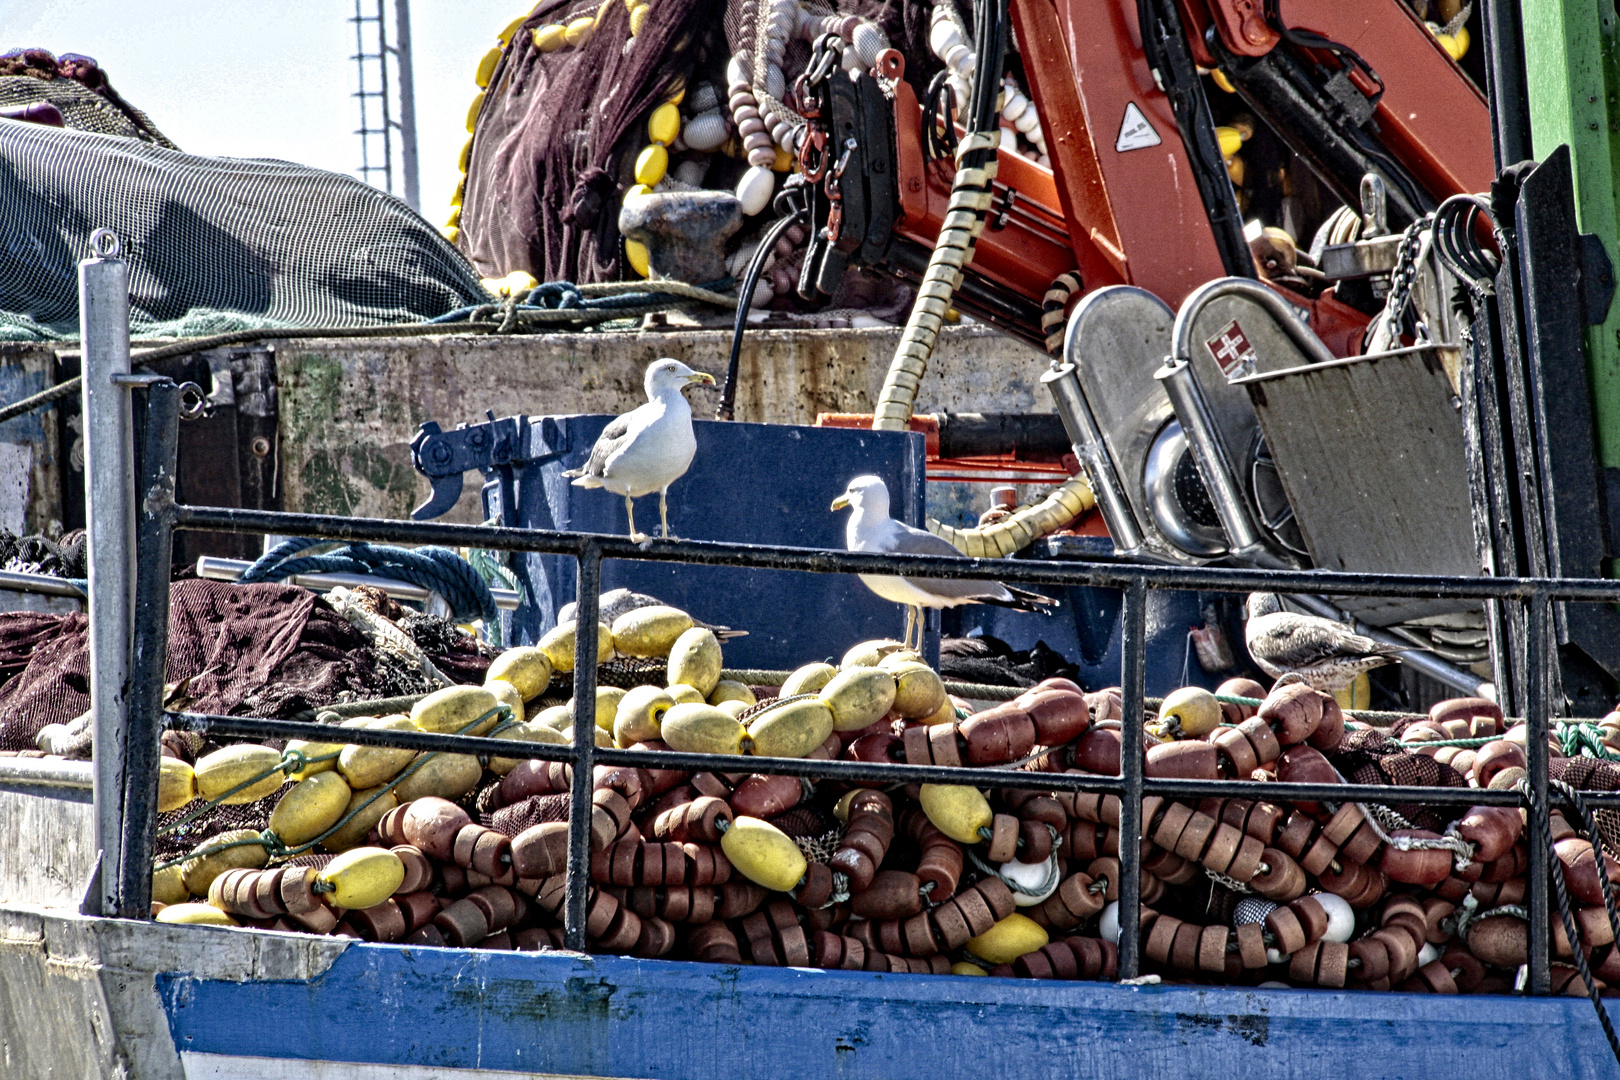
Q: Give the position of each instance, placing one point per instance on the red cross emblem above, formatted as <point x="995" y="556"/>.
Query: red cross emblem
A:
<point x="1231" y="349"/>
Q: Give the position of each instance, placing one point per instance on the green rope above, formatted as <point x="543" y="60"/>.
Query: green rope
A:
<point x="273" y="843"/>
<point x="348" y="710"/>
<point x="291" y="761"/>
<point x="1577" y="738"/>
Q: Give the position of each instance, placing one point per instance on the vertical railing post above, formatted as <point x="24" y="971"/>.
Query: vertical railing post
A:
<point x="1538" y="661"/>
<point x="154" y="532"/>
<point x="586" y="607"/>
<point x="109" y="506"/>
<point x="1133" y="679"/>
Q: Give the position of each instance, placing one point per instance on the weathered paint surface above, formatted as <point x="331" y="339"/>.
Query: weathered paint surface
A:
<point x="596" y="1016"/>
<point x="78" y="999"/>
<point x="30" y="461"/>
<point x="350" y="408"/>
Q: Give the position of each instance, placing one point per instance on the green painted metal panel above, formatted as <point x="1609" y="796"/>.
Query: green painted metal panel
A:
<point x="1574" y="83"/>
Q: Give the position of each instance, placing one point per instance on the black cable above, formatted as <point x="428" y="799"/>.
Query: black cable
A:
<point x="1456" y="242"/>
<point x="745" y="297"/>
<point x="1595" y="838"/>
<point x="1164" y="45"/>
<point x="940" y="144"/>
<point x="1309" y="39"/>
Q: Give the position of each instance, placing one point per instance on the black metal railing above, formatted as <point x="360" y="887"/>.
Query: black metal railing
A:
<point x="160" y="515"/>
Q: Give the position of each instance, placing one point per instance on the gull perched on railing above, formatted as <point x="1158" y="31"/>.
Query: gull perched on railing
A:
<point x="1326" y="654"/>
<point x="871" y="529"/>
<point x="648" y="448"/>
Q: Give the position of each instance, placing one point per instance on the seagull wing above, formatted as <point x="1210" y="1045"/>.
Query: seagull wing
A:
<point x="615" y="437"/>
<point x="907" y="540"/>
<point x="1290" y="641"/>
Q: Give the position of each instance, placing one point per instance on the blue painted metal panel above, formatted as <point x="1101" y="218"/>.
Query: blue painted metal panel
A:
<point x="749" y="483"/>
<point x="1086" y="631"/>
<point x="613" y="1017"/>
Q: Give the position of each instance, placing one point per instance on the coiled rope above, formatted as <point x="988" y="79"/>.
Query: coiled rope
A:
<point x="435" y="568"/>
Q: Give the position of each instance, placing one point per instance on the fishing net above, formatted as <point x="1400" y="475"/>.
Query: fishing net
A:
<point x="64" y="558"/>
<point x="210" y="241"/>
<point x="549" y="154"/>
<point x="79" y="90"/>
<point x="560" y="128"/>
<point x="261" y="650"/>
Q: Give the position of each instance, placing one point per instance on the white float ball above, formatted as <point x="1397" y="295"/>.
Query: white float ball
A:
<point x="1341" y="917"/>
<point x="1108" y="923"/>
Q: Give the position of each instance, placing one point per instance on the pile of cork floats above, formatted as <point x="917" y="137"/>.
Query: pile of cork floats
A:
<point x="739" y="867"/>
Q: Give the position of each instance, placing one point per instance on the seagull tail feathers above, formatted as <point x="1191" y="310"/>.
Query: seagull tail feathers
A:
<point x="1024" y="600"/>
<point x="582" y="480"/>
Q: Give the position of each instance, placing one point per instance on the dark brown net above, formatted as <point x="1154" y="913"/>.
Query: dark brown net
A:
<point x="257" y="650"/>
<point x="1590" y="774"/>
<point x="209" y="824"/>
<point x="559" y="131"/>
<point x="550" y="151"/>
<point x="1369" y="756"/>
<point x="535" y="810"/>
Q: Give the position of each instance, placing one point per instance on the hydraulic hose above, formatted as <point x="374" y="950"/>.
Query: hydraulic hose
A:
<point x="970" y="200"/>
<point x="1065" y="503"/>
<point x="971" y="196"/>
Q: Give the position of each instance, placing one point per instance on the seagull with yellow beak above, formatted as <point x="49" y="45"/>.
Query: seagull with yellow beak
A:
<point x="870" y="528"/>
<point x="650" y="447"/>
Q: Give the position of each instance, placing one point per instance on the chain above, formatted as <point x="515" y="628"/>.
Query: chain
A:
<point x="1401" y="281"/>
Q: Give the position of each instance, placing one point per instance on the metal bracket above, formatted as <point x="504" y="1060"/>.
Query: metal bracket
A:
<point x="194" y="404"/>
<point x="443" y="456"/>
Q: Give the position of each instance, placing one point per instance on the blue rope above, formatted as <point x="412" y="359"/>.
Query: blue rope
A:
<point x="435" y="568"/>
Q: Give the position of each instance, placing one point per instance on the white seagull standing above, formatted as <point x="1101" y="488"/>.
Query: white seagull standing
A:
<point x="650" y="447"/>
<point x="1326" y="654"/>
<point x="871" y="529"/>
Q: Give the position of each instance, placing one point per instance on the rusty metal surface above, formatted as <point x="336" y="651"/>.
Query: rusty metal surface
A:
<point x="1370" y="450"/>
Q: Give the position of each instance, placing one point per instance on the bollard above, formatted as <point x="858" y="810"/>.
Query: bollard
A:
<point x="109" y="503"/>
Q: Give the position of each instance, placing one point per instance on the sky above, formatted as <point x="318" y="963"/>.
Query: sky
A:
<point x="271" y="78"/>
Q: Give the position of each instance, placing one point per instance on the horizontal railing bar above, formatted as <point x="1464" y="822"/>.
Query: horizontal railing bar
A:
<point x="44" y="584"/>
<point x="863" y="771"/>
<point x="48" y="772"/>
<point x="713" y="553"/>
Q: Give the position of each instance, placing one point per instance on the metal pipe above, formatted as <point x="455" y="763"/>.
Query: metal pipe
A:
<point x="1111" y="574"/>
<point x="1181" y="342"/>
<point x="110" y="514"/>
<point x="218" y="569"/>
<point x="1506" y="82"/>
<point x="586" y="607"/>
<point x="1244" y="539"/>
<point x="1535" y="744"/>
<point x="1210" y="453"/>
<point x="69" y="776"/>
<point x="150" y="647"/>
<point x="1063" y="380"/>
<point x="1428" y="663"/>
<point x="1133" y="681"/>
<point x="44" y="584"/>
<point x="408" y="163"/>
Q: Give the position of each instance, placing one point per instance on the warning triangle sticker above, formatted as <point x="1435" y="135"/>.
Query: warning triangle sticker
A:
<point x="1135" y="133"/>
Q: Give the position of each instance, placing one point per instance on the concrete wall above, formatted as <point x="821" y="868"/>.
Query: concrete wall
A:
<point x="349" y="408"/>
